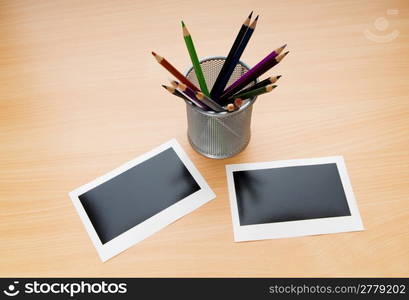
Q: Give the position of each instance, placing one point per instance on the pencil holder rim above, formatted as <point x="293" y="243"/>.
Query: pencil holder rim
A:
<point x="223" y="114"/>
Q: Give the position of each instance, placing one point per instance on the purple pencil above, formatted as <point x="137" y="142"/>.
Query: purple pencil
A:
<point x="263" y="66"/>
<point x="190" y="94"/>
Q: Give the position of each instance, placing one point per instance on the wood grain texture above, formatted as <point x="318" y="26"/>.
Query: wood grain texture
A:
<point x="80" y="94"/>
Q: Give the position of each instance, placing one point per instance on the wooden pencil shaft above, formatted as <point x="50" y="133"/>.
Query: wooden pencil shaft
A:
<point x="247" y="80"/>
<point x="219" y="84"/>
<point x="249" y="94"/>
<point x="194" y="100"/>
<point x="272" y="63"/>
<point x="179" y="94"/>
<point x="192" y="95"/>
<point x="255" y="92"/>
<point x="176" y="93"/>
<point x="174" y="83"/>
<point x="264" y="82"/>
<point x="263" y="66"/>
<point x="178" y="75"/>
<point x="168" y="66"/>
<point x="232" y="64"/>
<point x="267" y="63"/>
<point x="268" y="66"/>
<point x="195" y="60"/>
<point x="209" y="102"/>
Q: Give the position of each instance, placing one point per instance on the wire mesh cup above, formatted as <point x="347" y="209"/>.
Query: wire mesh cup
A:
<point x="218" y="135"/>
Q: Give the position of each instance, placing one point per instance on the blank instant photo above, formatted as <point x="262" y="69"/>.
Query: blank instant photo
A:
<point x="137" y="199"/>
<point x="291" y="198"/>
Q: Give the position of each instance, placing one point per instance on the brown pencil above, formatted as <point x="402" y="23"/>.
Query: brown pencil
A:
<point x="161" y="60"/>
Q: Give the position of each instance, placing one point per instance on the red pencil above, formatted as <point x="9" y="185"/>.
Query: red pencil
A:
<point x="174" y="71"/>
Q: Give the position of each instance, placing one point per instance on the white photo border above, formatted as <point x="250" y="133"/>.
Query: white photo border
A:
<point x="154" y="223"/>
<point x="294" y="228"/>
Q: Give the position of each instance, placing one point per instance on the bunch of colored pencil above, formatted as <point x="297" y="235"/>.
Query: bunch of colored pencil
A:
<point x="220" y="98"/>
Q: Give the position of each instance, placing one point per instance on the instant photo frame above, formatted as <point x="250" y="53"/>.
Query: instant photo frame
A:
<point x="275" y="211"/>
<point x="117" y="212"/>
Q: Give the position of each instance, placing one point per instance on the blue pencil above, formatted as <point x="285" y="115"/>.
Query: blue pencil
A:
<point x="220" y="78"/>
<point x="225" y="76"/>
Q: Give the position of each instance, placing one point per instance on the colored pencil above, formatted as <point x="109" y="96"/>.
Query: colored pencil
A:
<point x="256" y="92"/>
<point x="195" y="60"/>
<point x="209" y="102"/>
<point x="236" y="58"/>
<point x="238" y="102"/>
<point x="175" y="92"/>
<point x="221" y="80"/>
<point x="270" y="80"/>
<point x="190" y="94"/>
<point x="161" y="60"/>
<point x="263" y="66"/>
<point x="230" y="107"/>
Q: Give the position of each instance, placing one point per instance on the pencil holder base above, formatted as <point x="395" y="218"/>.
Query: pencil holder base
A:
<point x="213" y="156"/>
<point x="219" y="135"/>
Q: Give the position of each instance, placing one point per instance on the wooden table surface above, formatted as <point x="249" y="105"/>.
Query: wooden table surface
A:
<point x="80" y="94"/>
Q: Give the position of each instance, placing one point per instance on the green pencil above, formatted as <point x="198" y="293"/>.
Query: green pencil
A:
<point x="195" y="60"/>
<point x="255" y="92"/>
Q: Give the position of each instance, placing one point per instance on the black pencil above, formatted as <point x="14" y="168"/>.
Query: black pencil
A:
<point x="270" y="80"/>
<point x="175" y="92"/>
<point x="255" y="92"/>
<point x="221" y="81"/>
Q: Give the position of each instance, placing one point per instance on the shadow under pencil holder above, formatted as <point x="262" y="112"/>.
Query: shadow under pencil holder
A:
<point x="218" y="135"/>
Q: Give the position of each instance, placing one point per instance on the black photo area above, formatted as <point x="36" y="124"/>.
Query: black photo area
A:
<point x="289" y="194"/>
<point x="137" y="194"/>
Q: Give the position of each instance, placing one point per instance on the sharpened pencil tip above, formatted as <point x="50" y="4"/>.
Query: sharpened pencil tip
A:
<point x="248" y="19"/>
<point x="199" y="95"/>
<point x="184" y="29"/>
<point x="157" y="57"/>
<point x="281" y="56"/>
<point x="164" y="86"/>
<point x="270" y="87"/>
<point x="273" y="79"/>
<point x="279" y="50"/>
<point x="253" y="25"/>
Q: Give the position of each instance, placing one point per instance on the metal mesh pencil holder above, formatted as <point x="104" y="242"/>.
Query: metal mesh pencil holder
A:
<point x="218" y="135"/>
